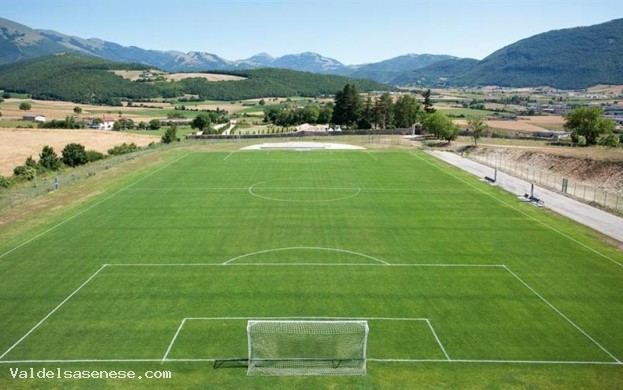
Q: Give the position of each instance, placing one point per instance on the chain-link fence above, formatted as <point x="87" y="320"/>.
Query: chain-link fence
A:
<point x="43" y="184"/>
<point x="581" y="191"/>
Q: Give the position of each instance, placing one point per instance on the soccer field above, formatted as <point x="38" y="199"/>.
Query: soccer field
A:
<point x="462" y="284"/>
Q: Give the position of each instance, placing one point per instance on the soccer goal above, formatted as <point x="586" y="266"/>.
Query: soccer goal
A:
<point x="307" y="347"/>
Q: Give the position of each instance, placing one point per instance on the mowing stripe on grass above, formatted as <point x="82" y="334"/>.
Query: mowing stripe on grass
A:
<point x="52" y="312"/>
<point x="89" y="208"/>
<point x="563" y="316"/>
<point x="522" y="212"/>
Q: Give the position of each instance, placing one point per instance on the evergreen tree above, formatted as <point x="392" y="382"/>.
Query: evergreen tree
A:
<point x="170" y="135"/>
<point x="407" y="111"/>
<point x="348" y="107"/>
<point x="49" y="160"/>
<point x="384" y="111"/>
<point x="428" y="103"/>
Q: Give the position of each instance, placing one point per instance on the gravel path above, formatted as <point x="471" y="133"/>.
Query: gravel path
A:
<point x="592" y="217"/>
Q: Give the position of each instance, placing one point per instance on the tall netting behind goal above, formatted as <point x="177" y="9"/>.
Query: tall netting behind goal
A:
<point x="307" y="347"/>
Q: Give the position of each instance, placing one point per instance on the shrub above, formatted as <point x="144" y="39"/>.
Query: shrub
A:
<point x="24" y="172"/>
<point x="170" y="135"/>
<point x="6" y="182"/>
<point x="122" y="149"/>
<point x="611" y="141"/>
<point x="74" y="155"/>
<point x="48" y="159"/>
<point x="154" y="124"/>
<point x="94" y="155"/>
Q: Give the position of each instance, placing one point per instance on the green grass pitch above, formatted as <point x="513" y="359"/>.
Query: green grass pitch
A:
<point x="463" y="286"/>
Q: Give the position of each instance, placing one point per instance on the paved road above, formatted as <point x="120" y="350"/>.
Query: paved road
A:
<point x="592" y="217"/>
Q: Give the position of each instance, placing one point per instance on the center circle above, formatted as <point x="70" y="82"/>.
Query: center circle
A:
<point x="311" y="191"/>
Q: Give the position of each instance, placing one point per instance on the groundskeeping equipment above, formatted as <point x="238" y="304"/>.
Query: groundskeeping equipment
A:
<point x="291" y="348"/>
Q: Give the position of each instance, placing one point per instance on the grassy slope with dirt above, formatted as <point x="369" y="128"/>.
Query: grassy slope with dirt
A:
<point x="600" y="167"/>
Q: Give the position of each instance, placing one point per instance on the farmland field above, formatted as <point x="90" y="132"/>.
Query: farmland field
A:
<point x="462" y="285"/>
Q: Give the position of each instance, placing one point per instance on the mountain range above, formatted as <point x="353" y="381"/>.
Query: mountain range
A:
<point x="19" y="42"/>
<point x="569" y="58"/>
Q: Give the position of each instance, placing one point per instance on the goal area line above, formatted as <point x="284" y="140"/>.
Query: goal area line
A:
<point x="165" y="358"/>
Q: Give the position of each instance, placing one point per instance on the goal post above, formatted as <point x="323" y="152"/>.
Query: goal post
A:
<point x="307" y="347"/>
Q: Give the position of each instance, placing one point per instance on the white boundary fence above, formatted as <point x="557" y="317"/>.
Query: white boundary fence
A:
<point x="581" y="191"/>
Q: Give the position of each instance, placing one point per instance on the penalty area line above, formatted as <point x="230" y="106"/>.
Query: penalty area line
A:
<point x="179" y="329"/>
<point x="52" y="312"/>
<point x="576" y="326"/>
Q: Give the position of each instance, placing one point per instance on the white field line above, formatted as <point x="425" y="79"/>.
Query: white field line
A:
<point x="371" y="190"/>
<point x="164" y="358"/>
<point x="307" y="189"/>
<point x="52" y="312"/>
<point x="229" y="155"/>
<point x="303" y="265"/>
<point x="90" y="207"/>
<point x="452" y="361"/>
<point x="251" y="191"/>
<point x="304" y="248"/>
<point x="172" y="189"/>
<point x="430" y="326"/>
<point x="179" y="329"/>
<point x="80" y="361"/>
<point x="371" y="155"/>
<point x="522" y="212"/>
<point x="307" y="318"/>
<point x="564" y="316"/>
<point x="490" y="361"/>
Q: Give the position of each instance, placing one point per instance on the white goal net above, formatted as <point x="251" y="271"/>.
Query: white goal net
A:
<point x="307" y="347"/>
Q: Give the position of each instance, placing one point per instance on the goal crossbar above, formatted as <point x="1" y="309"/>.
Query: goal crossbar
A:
<point x="295" y="347"/>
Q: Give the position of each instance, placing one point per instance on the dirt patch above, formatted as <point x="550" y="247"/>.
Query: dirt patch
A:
<point x="611" y="89"/>
<point x="18" y="144"/>
<point x="60" y="110"/>
<point x="601" y="168"/>
<point x="512" y="125"/>
<point x="207" y="76"/>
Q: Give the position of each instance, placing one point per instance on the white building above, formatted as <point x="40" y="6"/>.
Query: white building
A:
<point x="34" y="118"/>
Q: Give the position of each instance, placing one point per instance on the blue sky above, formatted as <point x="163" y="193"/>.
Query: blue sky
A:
<point x="351" y="31"/>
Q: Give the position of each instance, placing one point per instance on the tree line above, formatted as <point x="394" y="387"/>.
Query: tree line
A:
<point x="350" y="110"/>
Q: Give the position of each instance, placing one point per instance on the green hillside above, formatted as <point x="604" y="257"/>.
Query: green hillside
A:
<point x="440" y="73"/>
<point x="568" y="59"/>
<point x="85" y="79"/>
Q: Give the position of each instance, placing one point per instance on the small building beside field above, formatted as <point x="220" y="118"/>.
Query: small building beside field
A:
<point x="104" y="123"/>
<point x="175" y="121"/>
<point x="34" y="118"/>
<point x="308" y="127"/>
